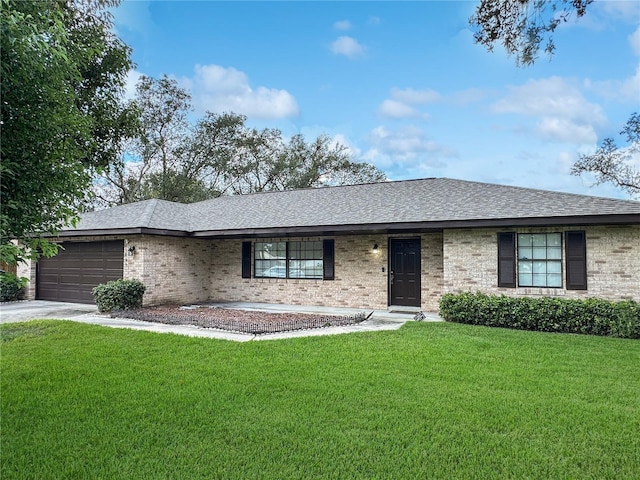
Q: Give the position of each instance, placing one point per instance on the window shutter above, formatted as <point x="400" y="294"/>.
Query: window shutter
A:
<point x="246" y="259"/>
<point x="328" y="259"/>
<point x="576" y="256"/>
<point x="507" y="259"/>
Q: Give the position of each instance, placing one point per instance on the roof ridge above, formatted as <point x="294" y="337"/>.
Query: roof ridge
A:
<point x="148" y="212"/>
<point x="543" y="190"/>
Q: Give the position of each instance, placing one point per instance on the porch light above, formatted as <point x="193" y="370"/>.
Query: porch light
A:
<point x="132" y="250"/>
<point x="375" y="248"/>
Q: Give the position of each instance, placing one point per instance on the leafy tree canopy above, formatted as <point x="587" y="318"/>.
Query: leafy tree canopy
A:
<point x="63" y="72"/>
<point x="173" y="160"/>
<point x="617" y="165"/>
<point x="522" y="26"/>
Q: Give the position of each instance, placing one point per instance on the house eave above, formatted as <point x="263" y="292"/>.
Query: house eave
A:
<point x="124" y="231"/>
<point x="420" y="227"/>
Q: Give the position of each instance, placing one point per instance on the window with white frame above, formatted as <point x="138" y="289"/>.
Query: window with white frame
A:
<point x="539" y="259"/>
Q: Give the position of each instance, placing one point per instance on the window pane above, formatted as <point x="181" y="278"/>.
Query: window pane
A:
<point x="525" y="253"/>
<point x="270" y="251"/>
<point x="524" y="280"/>
<point x="539" y="240"/>
<point x="539" y="280"/>
<point x="554" y="239"/>
<point x="554" y="280"/>
<point x="270" y="259"/>
<point x="554" y="253"/>
<point x="539" y="267"/>
<point x="539" y="252"/>
<point x="524" y="240"/>
<point x="554" y="267"/>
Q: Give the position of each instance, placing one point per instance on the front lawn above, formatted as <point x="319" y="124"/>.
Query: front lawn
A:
<point x="431" y="400"/>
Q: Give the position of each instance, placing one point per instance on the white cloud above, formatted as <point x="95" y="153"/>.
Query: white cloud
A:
<point x="563" y="113"/>
<point x="133" y="76"/>
<point x="395" y="109"/>
<point x="624" y="91"/>
<point x="402" y="102"/>
<point x="470" y="95"/>
<point x="620" y="9"/>
<point x="406" y="147"/>
<point x="409" y="95"/>
<point x="634" y="41"/>
<point x="219" y="89"/>
<point x="347" y="46"/>
<point x="342" y="25"/>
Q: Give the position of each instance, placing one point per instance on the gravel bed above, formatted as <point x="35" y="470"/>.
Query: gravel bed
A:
<point x="234" y="320"/>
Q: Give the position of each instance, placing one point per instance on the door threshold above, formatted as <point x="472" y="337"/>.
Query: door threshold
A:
<point x="403" y="309"/>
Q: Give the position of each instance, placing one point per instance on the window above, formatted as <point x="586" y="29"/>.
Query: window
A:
<point x="536" y="259"/>
<point x="305" y="259"/>
<point x="271" y="259"/>
<point x="540" y="260"/>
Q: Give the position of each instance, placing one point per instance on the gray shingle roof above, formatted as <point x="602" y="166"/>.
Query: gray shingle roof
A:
<point x="437" y="201"/>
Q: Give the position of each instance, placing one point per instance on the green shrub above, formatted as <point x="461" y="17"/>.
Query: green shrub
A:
<point x="11" y="287"/>
<point x="590" y="316"/>
<point x="118" y="295"/>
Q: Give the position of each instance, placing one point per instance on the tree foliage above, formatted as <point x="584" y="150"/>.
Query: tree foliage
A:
<point x="63" y="71"/>
<point x="522" y="26"/>
<point x="173" y="160"/>
<point x="617" y="165"/>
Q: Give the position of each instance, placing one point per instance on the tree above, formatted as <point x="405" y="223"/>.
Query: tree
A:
<point x="162" y="107"/>
<point x="521" y="26"/>
<point x="613" y="164"/>
<point x="62" y="73"/>
<point x="175" y="161"/>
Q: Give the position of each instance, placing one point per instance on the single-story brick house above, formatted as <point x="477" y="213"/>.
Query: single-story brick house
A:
<point x="395" y="244"/>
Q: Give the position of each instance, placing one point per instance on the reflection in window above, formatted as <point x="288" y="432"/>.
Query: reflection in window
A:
<point x="288" y="259"/>
<point x="540" y="260"/>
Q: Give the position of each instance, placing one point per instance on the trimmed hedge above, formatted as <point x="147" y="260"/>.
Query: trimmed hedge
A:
<point x="591" y="316"/>
<point x="11" y="287"/>
<point x="118" y="295"/>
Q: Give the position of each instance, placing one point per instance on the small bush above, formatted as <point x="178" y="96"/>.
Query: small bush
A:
<point x="118" y="295"/>
<point x="591" y="316"/>
<point x="11" y="287"/>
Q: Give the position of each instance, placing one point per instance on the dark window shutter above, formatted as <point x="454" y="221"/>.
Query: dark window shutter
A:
<point x="576" y="256"/>
<point x="246" y="259"/>
<point x="507" y="259"/>
<point x="328" y="260"/>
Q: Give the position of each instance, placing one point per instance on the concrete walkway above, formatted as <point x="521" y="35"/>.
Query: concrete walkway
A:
<point x="38" y="309"/>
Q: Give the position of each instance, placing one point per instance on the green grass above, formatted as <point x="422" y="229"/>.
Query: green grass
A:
<point x="427" y="401"/>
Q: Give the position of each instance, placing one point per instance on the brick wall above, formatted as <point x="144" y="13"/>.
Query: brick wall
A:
<point x="613" y="263"/>
<point x="360" y="275"/>
<point x="173" y="269"/>
<point x="187" y="270"/>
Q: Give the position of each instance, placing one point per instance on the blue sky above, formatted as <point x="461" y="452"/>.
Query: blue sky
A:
<point x="401" y="84"/>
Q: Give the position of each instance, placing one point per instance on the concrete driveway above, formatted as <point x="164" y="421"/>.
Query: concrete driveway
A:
<point x="28" y="310"/>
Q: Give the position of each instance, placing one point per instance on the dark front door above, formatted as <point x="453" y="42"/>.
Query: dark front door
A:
<point x="404" y="272"/>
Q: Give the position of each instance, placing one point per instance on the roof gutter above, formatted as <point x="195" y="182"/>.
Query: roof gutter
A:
<point x="355" y="229"/>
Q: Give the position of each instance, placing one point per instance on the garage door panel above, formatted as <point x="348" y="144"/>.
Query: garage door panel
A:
<point x="71" y="275"/>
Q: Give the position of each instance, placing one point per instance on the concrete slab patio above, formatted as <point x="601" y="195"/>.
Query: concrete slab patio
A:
<point x="38" y="309"/>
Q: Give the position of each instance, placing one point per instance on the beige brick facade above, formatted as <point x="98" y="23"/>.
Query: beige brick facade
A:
<point x="613" y="263"/>
<point x="173" y="269"/>
<point x="360" y="276"/>
<point x="187" y="270"/>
